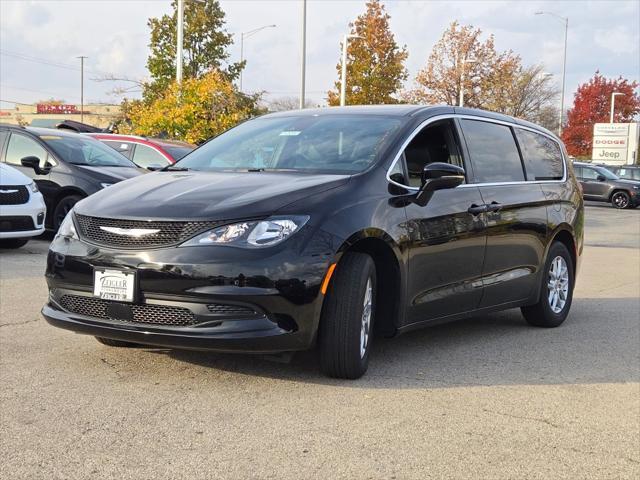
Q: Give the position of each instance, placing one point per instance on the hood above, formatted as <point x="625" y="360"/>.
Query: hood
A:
<point x="109" y="174"/>
<point x="12" y="176"/>
<point x="205" y="195"/>
<point x="627" y="181"/>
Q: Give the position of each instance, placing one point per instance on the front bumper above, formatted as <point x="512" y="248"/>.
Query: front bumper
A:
<point x="280" y="286"/>
<point x="34" y="209"/>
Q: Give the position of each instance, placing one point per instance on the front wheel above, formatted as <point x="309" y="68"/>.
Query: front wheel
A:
<point x="556" y="292"/>
<point x="621" y="200"/>
<point x="64" y="206"/>
<point x="346" y="326"/>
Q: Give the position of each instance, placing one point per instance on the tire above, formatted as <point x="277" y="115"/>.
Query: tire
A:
<point x="344" y="336"/>
<point x="63" y="207"/>
<point x="621" y="199"/>
<point x="543" y="313"/>
<point x="13" y="242"/>
<point x="116" y="343"/>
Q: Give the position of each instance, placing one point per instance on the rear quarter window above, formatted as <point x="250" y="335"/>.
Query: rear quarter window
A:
<point x="542" y="156"/>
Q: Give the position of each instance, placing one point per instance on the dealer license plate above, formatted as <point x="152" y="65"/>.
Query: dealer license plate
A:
<point x="114" y="285"/>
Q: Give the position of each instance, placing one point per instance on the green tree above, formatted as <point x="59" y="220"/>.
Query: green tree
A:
<point x="375" y="63"/>
<point x="205" y="45"/>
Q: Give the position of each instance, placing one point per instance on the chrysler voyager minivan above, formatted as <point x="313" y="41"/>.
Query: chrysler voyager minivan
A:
<point x="323" y="227"/>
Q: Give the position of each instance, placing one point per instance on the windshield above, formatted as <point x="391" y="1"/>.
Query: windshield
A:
<point x="177" y="152"/>
<point x="607" y="174"/>
<point x="320" y="144"/>
<point x="85" y="151"/>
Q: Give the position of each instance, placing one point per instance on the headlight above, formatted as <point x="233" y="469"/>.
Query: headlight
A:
<point x="33" y="187"/>
<point x="67" y="228"/>
<point x="105" y="185"/>
<point x="251" y="234"/>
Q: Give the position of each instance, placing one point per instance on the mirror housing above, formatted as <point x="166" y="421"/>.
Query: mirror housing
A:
<point x="33" y="162"/>
<point x="601" y="178"/>
<point x="438" y="176"/>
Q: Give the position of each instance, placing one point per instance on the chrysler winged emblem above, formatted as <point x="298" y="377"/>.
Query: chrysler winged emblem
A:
<point x="131" y="232"/>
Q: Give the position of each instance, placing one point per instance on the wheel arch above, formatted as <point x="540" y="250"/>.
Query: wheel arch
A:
<point x="385" y="254"/>
<point x="564" y="234"/>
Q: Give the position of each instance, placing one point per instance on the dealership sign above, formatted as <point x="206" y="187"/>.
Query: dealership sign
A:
<point x="52" y="108"/>
<point x="615" y="143"/>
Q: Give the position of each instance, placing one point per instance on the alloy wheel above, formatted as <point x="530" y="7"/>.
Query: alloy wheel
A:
<point x="558" y="284"/>
<point x="620" y="200"/>
<point x="366" y="318"/>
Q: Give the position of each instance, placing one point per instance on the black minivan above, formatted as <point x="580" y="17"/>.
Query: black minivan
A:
<point x="65" y="165"/>
<point x="324" y="227"/>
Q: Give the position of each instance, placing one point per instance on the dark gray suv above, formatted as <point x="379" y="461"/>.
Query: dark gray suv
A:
<point x="600" y="185"/>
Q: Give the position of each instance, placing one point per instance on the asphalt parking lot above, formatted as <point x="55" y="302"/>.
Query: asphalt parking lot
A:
<point x="486" y="398"/>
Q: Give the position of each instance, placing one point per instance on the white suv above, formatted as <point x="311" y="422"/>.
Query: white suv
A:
<point x="22" y="208"/>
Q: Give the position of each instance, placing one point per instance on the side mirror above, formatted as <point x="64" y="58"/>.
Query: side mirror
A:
<point x="438" y="176"/>
<point x="33" y="162"/>
<point x="601" y="178"/>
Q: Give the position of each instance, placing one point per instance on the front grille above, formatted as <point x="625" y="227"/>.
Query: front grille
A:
<point x="230" y="310"/>
<point x="13" y="194"/>
<point x="169" y="233"/>
<point x="16" y="224"/>
<point x="146" y="313"/>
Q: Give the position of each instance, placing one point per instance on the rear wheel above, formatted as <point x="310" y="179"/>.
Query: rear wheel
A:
<point x="621" y="200"/>
<point x="556" y="292"/>
<point x="116" y="343"/>
<point x="346" y="327"/>
<point x="64" y="206"/>
<point x="13" y="242"/>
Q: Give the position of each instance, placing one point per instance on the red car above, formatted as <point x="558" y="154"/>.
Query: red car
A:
<point x="152" y="153"/>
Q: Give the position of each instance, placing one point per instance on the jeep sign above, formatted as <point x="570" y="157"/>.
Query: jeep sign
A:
<point x="615" y="143"/>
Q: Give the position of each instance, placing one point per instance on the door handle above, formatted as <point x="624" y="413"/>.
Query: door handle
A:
<point x="476" y="209"/>
<point x="494" y="207"/>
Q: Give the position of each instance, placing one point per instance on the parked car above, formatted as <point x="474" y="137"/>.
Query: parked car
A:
<point x="22" y="208"/>
<point x="601" y="185"/>
<point x="150" y="153"/>
<point x="323" y="226"/>
<point x="626" y="172"/>
<point x="66" y="166"/>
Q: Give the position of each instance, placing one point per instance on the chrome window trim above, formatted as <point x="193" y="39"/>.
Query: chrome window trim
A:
<point x="447" y="116"/>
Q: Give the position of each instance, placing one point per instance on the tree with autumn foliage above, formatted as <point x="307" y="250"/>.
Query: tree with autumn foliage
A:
<point x="375" y="62"/>
<point x="592" y="104"/>
<point x="491" y="80"/>
<point x="196" y="110"/>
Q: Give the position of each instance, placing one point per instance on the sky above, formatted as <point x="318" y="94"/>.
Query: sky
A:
<point x="40" y="41"/>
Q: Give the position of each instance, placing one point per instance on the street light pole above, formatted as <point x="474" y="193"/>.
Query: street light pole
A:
<point x="565" y="20"/>
<point x="244" y="35"/>
<point x="304" y="54"/>
<point x="180" y="41"/>
<point x="343" y="78"/>
<point x="613" y="102"/>
<point x="82" y="57"/>
<point x="461" y="99"/>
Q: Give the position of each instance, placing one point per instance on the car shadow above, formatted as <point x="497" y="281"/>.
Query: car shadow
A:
<point x="598" y="343"/>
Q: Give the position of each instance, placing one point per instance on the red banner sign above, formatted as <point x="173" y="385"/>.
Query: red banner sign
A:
<point x="50" y="108"/>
